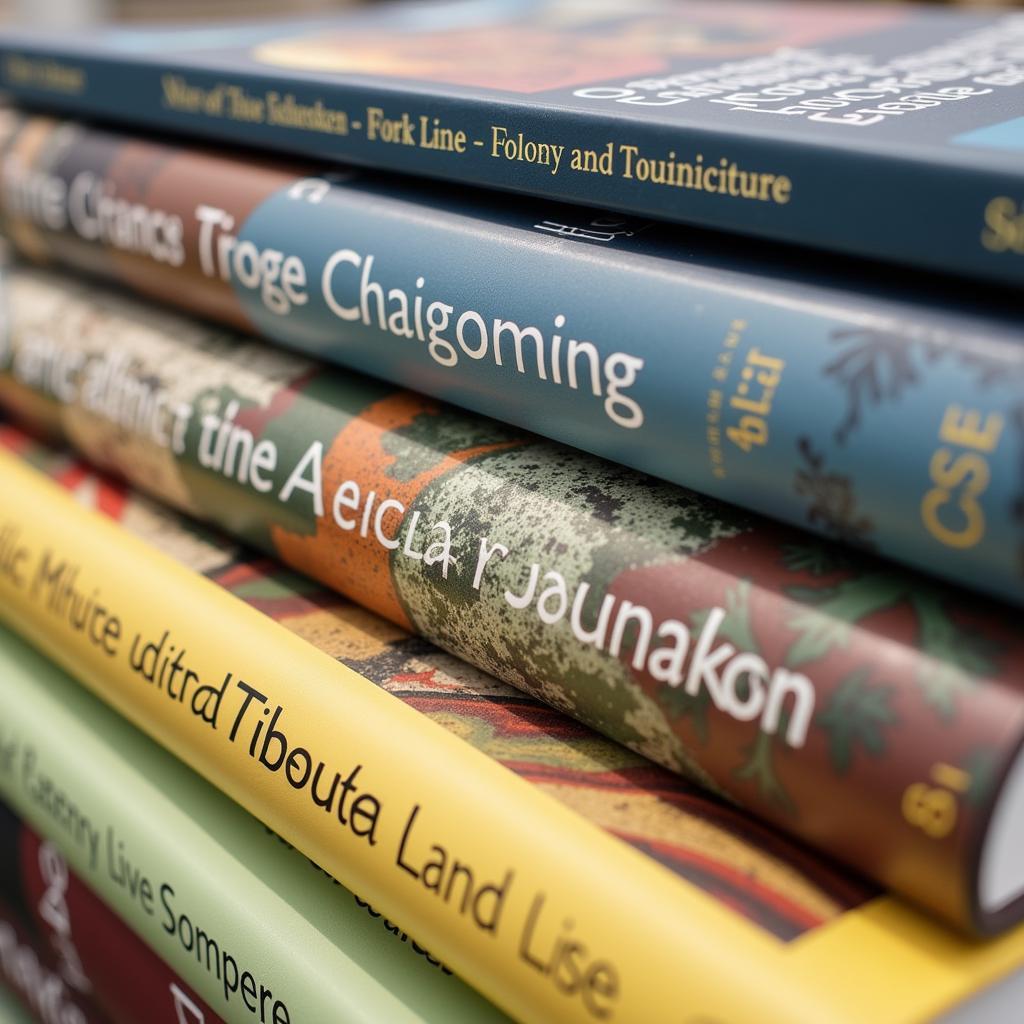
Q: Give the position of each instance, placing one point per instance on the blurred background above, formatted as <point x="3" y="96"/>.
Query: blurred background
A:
<point x="68" y="13"/>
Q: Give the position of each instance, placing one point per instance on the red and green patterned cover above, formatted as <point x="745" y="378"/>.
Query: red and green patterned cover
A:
<point x="780" y="885"/>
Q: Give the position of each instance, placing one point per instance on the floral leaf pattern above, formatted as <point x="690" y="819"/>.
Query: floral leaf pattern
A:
<point x="856" y="718"/>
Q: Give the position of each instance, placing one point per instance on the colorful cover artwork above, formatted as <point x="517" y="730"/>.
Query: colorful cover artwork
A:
<point x="773" y="388"/>
<point x="841" y="126"/>
<point x="747" y="866"/>
<point x="32" y="973"/>
<point x="826" y="691"/>
<point x="129" y="833"/>
<point x="90" y="966"/>
<point x="879" y="961"/>
<point x="540" y="48"/>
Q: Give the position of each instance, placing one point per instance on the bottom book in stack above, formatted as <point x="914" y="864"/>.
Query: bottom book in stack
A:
<point x="152" y="896"/>
<point x="806" y="941"/>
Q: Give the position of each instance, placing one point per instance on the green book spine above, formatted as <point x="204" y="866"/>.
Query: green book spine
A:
<point x="228" y="905"/>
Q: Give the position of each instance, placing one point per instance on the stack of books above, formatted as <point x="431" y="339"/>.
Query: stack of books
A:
<point x="655" y="656"/>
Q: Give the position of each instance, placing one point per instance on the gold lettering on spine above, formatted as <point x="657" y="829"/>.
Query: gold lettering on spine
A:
<point x="951" y="509"/>
<point x="44" y="73"/>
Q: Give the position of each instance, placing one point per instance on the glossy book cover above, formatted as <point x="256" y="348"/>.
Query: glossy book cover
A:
<point x="861" y="708"/>
<point x="761" y="929"/>
<point x="162" y="899"/>
<point x="776" y="387"/>
<point x="884" y="131"/>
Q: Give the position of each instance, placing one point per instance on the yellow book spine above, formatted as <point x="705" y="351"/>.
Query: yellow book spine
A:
<point x="546" y="914"/>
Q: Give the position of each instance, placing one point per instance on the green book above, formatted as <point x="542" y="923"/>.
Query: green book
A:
<point x="212" y="891"/>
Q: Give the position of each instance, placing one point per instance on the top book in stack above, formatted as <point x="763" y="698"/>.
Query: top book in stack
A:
<point x="892" y="133"/>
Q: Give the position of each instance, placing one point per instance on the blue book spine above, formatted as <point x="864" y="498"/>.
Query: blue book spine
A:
<point x="880" y="418"/>
<point x="888" y="133"/>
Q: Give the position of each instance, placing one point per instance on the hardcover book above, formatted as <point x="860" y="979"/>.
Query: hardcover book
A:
<point x="884" y="131"/>
<point x="671" y="933"/>
<point x="853" y="704"/>
<point x="93" y="956"/>
<point x="744" y="376"/>
<point x="36" y="978"/>
<point x="165" y="903"/>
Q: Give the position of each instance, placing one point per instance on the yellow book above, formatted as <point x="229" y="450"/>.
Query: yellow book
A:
<point x="551" y="917"/>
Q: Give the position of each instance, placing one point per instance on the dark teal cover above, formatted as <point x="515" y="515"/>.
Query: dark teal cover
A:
<point x="886" y="132"/>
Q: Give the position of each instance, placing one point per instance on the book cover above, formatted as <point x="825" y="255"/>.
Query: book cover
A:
<point x="892" y="132"/>
<point x="32" y="974"/>
<point x="699" y="837"/>
<point x="679" y="943"/>
<point x="39" y="961"/>
<point x="855" y="705"/>
<point x="162" y="898"/>
<point x="741" y="375"/>
<point x="96" y="955"/>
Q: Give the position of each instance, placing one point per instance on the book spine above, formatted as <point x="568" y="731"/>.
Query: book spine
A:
<point x="251" y="109"/>
<point x="766" y="393"/>
<point x="312" y="749"/>
<point x="885" y="937"/>
<point x="723" y="647"/>
<point x="180" y="875"/>
<point x="750" y="867"/>
<point x="33" y="975"/>
<point x="97" y="953"/>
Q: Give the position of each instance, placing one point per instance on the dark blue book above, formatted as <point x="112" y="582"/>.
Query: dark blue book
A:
<point x="888" y="132"/>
